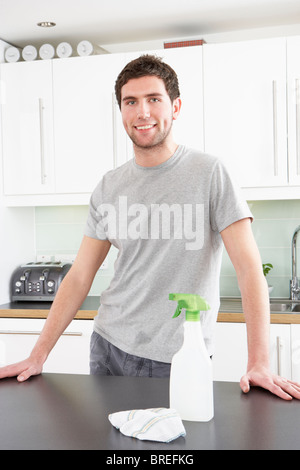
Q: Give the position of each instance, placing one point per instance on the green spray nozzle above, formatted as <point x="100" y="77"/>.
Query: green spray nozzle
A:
<point x="192" y="303"/>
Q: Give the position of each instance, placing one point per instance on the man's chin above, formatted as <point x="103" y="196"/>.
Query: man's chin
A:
<point x="150" y="143"/>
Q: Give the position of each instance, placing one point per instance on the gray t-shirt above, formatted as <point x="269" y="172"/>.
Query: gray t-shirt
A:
<point x="165" y="222"/>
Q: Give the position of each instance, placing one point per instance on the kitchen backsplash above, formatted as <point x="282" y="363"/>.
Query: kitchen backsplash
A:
<point x="273" y="228"/>
<point x="59" y="231"/>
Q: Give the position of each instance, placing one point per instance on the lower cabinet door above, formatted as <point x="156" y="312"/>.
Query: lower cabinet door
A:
<point x="231" y="353"/>
<point x="230" y="356"/>
<point x="295" y="349"/>
<point x="70" y="355"/>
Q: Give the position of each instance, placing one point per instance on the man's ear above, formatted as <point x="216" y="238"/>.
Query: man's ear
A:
<point x="176" y="108"/>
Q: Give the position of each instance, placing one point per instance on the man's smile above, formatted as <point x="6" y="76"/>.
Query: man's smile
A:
<point x="145" y="127"/>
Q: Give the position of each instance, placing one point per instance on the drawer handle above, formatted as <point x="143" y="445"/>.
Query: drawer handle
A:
<point x="18" y="332"/>
<point x="279" y="349"/>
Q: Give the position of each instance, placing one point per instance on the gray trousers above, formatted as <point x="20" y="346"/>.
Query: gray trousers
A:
<point x="106" y="359"/>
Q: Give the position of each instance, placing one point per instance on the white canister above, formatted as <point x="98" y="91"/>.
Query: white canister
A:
<point x="46" y="51"/>
<point x="29" y="53"/>
<point x="64" y="49"/>
<point x="12" y="54"/>
<point x="85" y="48"/>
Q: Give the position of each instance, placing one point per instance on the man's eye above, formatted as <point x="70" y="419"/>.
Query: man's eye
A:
<point x="154" y="100"/>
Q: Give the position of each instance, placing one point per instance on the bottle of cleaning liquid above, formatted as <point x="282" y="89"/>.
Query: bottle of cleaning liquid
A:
<point x="191" y="377"/>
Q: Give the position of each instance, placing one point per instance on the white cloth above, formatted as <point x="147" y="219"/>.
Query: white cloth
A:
<point x="153" y="424"/>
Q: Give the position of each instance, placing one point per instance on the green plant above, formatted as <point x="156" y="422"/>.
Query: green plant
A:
<point x="266" y="268"/>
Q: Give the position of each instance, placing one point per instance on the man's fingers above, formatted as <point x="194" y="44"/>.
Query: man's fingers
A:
<point x="279" y="386"/>
<point x="22" y="370"/>
<point x="244" y="384"/>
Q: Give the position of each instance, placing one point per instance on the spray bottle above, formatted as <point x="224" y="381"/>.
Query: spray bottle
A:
<point x="191" y="378"/>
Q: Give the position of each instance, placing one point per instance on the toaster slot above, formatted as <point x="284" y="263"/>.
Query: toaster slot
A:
<point x="49" y="284"/>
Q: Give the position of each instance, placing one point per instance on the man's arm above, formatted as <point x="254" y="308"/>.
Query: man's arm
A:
<point x="243" y="252"/>
<point x="70" y="296"/>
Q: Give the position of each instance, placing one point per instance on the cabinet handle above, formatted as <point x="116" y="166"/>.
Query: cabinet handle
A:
<point x="114" y="127"/>
<point x="275" y="147"/>
<point x="2" y="92"/>
<point x="20" y="332"/>
<point x="297" y="96"/>
<point x="279" y="348"/>
<point x="42" y="141"/>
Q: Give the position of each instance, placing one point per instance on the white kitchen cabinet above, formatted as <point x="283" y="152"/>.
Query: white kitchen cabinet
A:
<point x="88" y="131"/>
<point x="61" y="126"/>
<point x="27" y="128"/>
<point x="231" y="354"/>
<point x="69" y="355"/>
<point x="293" y="94"/>
<point x="187" y="63"/>
<point x="245" y="109"/>
<point x="295" y="352"/>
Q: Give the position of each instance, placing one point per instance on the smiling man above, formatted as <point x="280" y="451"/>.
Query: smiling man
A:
<point x="168" y="211"/>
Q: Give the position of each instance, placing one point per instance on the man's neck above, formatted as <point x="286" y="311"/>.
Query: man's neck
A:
<point x="154" y="156"/>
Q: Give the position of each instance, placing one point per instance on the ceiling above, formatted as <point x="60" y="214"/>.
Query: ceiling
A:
<point x="118" y="21"/>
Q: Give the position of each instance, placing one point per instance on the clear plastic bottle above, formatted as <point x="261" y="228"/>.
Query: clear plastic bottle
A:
<point x="191" y="378"/>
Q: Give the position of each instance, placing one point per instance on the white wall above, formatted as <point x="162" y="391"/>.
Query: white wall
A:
<point x="17" y="242"/>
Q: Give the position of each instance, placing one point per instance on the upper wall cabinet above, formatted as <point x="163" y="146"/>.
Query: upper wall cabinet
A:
<point x="245" y="114"/>
<point x="293" y="94"/>
<point x="27" y="128"/>
<point x="61" y="128"/>
<point x="87" y="125"/>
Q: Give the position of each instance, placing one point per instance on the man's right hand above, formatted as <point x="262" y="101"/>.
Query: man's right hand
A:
<point x="22" y="370"/>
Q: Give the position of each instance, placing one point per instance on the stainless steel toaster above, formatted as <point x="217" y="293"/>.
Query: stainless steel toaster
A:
<point x="37" y="281"/>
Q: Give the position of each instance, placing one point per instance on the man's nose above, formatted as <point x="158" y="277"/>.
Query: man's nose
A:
<point x="143" y="111"/>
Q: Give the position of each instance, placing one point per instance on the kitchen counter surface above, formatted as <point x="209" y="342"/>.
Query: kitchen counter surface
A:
<point x="58" y="411"/>
<point x="36" y="309"/>
<point x="230" y="311"/>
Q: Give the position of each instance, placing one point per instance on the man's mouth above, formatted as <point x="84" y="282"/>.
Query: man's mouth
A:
<point x="148" y="126"/>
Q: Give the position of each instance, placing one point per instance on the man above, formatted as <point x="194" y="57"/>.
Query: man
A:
<point x="168" y="211"/>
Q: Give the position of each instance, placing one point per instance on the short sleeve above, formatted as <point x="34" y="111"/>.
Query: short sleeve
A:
<point x="94" y="227"/>
<point x="227" y="204"/>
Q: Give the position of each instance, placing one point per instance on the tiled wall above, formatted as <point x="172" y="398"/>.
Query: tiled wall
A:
<point x="273" y="228"/>
<point x="59" y="231"/>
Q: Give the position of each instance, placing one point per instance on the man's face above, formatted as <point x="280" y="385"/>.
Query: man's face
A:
<point x="147" y="111"/>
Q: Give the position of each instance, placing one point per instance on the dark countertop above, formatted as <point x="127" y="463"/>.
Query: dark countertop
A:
<point x="58" y="411"/>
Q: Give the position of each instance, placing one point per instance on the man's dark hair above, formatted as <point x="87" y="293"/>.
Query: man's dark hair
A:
<point x="146" y="65"/>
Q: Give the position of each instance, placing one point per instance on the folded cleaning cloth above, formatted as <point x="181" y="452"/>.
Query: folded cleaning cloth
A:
<point x="153" y="424"/>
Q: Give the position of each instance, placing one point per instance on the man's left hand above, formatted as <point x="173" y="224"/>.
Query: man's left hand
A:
<point x="277" y="385"/>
